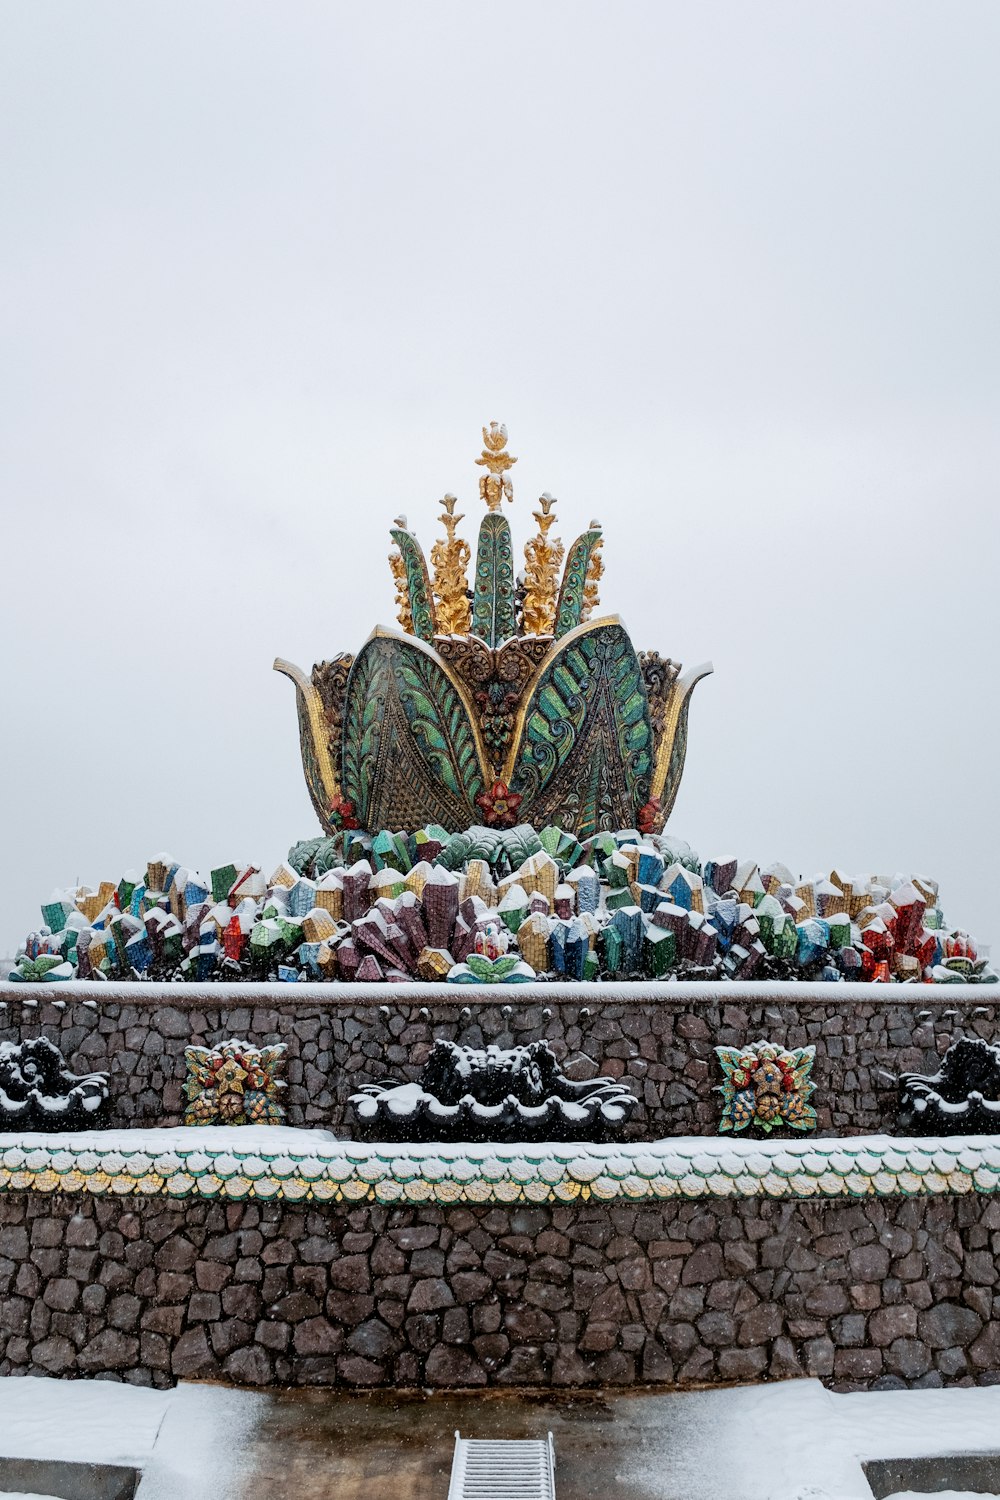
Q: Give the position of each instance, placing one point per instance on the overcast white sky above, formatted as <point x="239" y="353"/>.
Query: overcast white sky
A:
<point x="728" y="272"/>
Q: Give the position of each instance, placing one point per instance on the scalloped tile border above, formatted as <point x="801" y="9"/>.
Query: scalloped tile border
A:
<point x="694" y="1167"/>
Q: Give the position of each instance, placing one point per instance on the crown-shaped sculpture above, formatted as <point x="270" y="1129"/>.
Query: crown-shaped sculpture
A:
<point x="499" y="704"/>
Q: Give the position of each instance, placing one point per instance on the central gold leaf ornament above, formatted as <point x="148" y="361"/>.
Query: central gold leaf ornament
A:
<point x="500" y="697"/>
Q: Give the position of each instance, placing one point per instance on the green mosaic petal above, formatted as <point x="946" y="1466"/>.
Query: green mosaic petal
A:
<point x="493" y="617"/>
<point x="418" y="583"/>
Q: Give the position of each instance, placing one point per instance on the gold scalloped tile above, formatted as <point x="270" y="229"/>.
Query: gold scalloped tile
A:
<point x="663" y="1170"/>
<point x="354" y="1192"/>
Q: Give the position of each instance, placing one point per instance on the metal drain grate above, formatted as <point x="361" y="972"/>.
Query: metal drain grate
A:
<point x="502" y="1469"/>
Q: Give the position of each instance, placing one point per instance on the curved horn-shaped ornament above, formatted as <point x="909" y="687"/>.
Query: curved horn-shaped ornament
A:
<point x="321" y="777"/>
<point x="569" y="610"/>
<point x="418" y="582"/>
<point x="672" y="747"/>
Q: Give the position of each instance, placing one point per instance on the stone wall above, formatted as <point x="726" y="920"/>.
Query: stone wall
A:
<point x="658" y="1036"/>
<point x="878" y="1293"/>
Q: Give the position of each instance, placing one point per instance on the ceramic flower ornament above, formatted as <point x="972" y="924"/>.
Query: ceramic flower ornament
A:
<point x="766" y="1086"/>
<point x="234" y="1084"/>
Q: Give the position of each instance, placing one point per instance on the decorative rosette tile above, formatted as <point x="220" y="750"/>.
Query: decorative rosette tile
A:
<point x="765" y="1086"/>
<point x="234" y="1084"/>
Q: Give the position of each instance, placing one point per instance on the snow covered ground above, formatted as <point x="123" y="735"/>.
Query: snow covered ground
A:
<point x="187" y="1441"/>
<point x="788" y="1441"/>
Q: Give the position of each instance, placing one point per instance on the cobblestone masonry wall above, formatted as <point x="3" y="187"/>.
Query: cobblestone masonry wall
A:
<point x="661" y="1040"/>
<point x="881" y="1293"/>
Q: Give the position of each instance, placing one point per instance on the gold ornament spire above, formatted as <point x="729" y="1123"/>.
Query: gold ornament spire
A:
<point x="495" y="486"/>
<point x="542" y="557"/>
<point x="595" y="572"/>
<point x="449" y="559"/>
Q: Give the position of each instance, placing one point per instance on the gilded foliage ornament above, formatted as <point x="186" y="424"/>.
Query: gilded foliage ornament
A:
<point x="450" y="559"/>
<point x="404" y="614"/>
<point x="542" y="556"/>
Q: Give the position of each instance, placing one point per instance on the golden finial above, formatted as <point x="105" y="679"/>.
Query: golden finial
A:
<point x="595" y="572"/>
<point x="494" y="442"/>
<point x="450" y="558"/>
<point x="542" y="557"/>
<point x="495" y="486"/>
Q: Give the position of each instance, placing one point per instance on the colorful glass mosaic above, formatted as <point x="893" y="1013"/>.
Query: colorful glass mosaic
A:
<point x="500" y="905"/>
<point x="766" y="1087"/>
<point x="234" y="1084"/>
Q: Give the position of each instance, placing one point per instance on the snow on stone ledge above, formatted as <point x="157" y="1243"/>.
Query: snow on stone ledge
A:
<point x="277" y="1163"/>
<point x="317" y="993"/>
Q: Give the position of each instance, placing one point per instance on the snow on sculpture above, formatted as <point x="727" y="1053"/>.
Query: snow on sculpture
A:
<point x="493" y="1094"/>
<point x="38" y="1092"/>
<point x="415" y="905"/>
<point x="499" y="702"/>
<point x="961" y="1098"/>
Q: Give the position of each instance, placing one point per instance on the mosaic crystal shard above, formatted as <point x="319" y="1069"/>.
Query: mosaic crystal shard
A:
<point x="360" y="918"/>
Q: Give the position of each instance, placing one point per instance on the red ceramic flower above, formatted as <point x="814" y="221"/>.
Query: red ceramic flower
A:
<point x="342" y="813"/>
<point x="648" y="816"/>
<point x="499" y="805"/>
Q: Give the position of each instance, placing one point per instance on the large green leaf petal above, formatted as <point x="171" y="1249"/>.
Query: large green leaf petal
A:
<point x="410" y="754"/>
<point x="585" y="755"/>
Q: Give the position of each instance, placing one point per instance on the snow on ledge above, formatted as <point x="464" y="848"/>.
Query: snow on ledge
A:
<point x="549" y="992"/>
<point x="276" y="1163"/>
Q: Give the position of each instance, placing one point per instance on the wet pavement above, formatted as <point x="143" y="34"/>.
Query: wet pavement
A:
<point x="789" y="1440"/>
<point x="640" y="1445"/>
